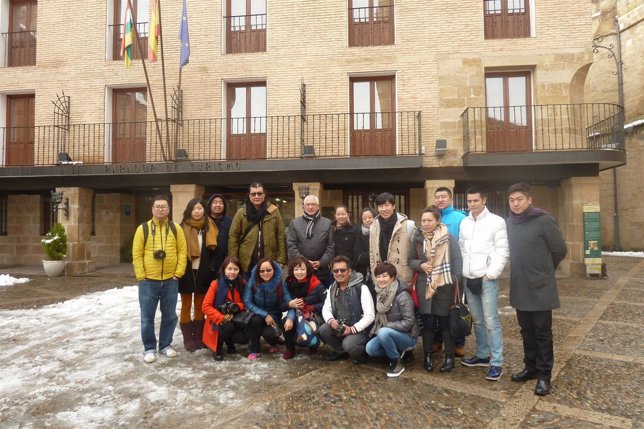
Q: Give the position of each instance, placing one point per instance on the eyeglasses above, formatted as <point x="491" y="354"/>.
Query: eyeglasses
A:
<point x="267" y="270"/>
<point x="340" y="270"/>
<point x="256" y="194"/>
<point x="160" y="207"/>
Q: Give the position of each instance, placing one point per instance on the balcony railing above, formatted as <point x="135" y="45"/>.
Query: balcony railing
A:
<point x="371" y="26"/>
<point x="115" y="37"/>
<point x="273" y="137"/>
<point x="245" y="33"/>
<point x="19" y="48"/>
<point x="538" y="128"/>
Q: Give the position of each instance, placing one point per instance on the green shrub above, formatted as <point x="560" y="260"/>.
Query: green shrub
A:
<point x="55" y="243"/>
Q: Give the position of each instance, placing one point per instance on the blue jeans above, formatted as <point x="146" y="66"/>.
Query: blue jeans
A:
<point x="389" y="342"/>
<point x="485" y="313"/>
<point x="151" y="293"/>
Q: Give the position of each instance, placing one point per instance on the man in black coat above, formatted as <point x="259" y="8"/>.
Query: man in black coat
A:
<point x="536" y="249"/>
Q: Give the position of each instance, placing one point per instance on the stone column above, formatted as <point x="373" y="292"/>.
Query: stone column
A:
<point x="432" y="185"/>
<point x="575" y="192"/>
<point x="314" y="188"/>
<point x="181" y="194"/>
<point x="78" y="227"/>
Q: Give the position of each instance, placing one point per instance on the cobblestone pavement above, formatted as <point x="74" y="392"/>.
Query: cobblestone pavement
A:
<point x="598" y="377"/>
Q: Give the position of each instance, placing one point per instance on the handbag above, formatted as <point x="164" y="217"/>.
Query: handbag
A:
<point x="412" y="289"/>
<point x="460" y="319"/>
<point x="306" y="330"/>
<point x="242" y="319"/>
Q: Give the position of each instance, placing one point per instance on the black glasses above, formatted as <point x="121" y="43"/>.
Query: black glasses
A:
<point x="267" y="270"/>
<point x="340" y="270"/>
<point x="256" y="194"/>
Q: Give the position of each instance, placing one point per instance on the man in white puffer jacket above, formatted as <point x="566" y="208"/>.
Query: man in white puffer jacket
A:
<point x="483" y="240"/>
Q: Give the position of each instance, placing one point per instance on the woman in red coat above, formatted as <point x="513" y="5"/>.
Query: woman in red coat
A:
<point x="223" y="300"/>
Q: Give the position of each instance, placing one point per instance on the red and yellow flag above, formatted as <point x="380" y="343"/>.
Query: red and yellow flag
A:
<point x="127" y="43"/>
<point x="155" y="32"/>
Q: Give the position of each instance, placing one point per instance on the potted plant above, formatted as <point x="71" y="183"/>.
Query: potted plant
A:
<point x="55" y="245"/>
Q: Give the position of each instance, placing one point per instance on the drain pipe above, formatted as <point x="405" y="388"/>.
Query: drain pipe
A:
<point x="620" y="94"/>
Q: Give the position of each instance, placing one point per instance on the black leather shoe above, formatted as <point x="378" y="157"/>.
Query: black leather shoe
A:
<point x="337" y="356"/>
<point x="542" y="388"/>
<point x="363" y="358"/>
<point x="448" y="365"/>
<point x="427" y="362"/>
<point x="524" y="375"/>
<point x="217" y="357"/>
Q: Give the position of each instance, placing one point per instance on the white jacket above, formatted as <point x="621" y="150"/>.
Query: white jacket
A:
<point x="484" y="245"/>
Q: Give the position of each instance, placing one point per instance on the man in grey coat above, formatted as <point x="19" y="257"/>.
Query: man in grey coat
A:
<point x="311" y="236"/>
<point x="536" y="249"/>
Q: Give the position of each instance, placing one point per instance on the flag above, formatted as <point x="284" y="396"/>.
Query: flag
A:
<point x="184" y="37"/>
<point x="127" y="42"/>
<point x="155" y="32"/>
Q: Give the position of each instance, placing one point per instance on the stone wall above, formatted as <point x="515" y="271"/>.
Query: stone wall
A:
<point x="21" y="245"/>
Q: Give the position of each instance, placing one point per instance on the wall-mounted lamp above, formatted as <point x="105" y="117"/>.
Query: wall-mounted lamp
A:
<point x="57" y="199"/>
<point x="304" y="191"/>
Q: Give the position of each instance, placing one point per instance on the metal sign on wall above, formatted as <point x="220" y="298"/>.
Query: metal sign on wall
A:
<point x="592" y="239"/>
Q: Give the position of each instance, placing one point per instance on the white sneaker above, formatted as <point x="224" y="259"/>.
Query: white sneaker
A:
<point x="169" y="352"/>
<point x="149" y="357"/>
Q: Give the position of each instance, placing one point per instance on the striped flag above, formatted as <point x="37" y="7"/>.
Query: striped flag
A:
<point x="184" y="37"/>
<point x="155" y="32"/>
<point x="127" y="43"/>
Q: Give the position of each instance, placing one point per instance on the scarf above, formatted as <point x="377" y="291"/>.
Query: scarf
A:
<point x="224" y="284"/>
<point x="365" y="230"/>
<point x="386" y="230"/>
<point x="437" y="253"/>
<point x="255" y="215"/>
<point x="311" y="220"/>
<point x="191" y="230"/>
<point x="298" y="289"/>
<point x="384" y="302"/>
<point x="529" y="213"/>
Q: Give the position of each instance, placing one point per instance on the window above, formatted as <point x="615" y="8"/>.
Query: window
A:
<point x="246" y="121"/>
<point x="21" y="39"/>
<point x="371" y="22"/>
<point x="4" y="210"/>
<point x="506" y="19"/>
<point x="140" y="12"/>
<point x="129" y="126"/>
<point x="20" y="129"/>
<point x="374" y="120"/>
<point x="245" y="22"/>
<point x="509" y="112"/>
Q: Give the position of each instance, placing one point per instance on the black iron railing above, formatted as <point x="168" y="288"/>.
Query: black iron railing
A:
<point x="19" y="48"/>
<point x="245" y="33"/>
<point x="115" y="36"/>
<point x="371" y="26"/>
<point x="554" y="127"/>
<point x="334" y="135"/>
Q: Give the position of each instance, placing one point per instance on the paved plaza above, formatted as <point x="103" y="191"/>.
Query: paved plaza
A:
<point x="73" y="376"/>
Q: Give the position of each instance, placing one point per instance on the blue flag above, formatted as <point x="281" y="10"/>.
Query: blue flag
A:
<point x="184" y="37"/>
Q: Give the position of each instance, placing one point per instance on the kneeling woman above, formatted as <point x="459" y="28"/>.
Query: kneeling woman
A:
<point x="395" y="328"/>
<point x="222" y="302"/>
<point x="307" y="295"/>
<point x="264" y="296"/>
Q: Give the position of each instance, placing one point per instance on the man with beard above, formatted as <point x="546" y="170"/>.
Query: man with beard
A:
<point x="257" y="231"/>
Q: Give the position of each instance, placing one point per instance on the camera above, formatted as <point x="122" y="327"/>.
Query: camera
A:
<point x="159" y="254"/>
<point x="229" y="307"/>
<point x="339" y="331"/>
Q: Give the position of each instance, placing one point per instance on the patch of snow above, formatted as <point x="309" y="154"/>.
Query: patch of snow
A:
<point x="7" y="280"/>
<point x="628" y="254"/>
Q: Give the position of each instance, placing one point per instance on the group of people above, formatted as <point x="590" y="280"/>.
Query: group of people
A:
<point x="369" y="290"/>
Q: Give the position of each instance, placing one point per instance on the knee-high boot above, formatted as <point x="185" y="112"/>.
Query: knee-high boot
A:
<point x="198" y="333"/>
<point x="187" y="330"/>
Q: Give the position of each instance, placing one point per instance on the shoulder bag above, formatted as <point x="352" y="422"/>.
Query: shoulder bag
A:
<point x="460" y="319"/>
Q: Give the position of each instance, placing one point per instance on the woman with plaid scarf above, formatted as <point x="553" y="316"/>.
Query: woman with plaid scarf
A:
<point x="436" y="257"/>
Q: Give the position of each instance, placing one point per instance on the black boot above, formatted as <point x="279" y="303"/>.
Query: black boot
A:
<point x="448" y="365"/>
<point x="427" y="364"/>
<point x="231" y="347"/>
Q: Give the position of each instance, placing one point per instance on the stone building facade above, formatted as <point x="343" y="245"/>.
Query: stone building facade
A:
<point x="355" y="98"/>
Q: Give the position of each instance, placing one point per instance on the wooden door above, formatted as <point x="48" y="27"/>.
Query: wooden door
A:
<point x="245" y="26"/>
<point x="22" y="33"/>
<point x="140" y="14"/>
<point x="371" y="22"/>
<point x="509" y="112"/>
<point x="246" y="126"/>
<point x="373" y="125"/>
<point x="129" y="125"/>
<point x="20" y="129"/>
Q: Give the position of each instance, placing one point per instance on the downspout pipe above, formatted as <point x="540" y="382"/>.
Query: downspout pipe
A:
<point x="620" y="94"/>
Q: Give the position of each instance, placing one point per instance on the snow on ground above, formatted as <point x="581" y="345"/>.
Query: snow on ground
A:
<point x="629" y="254"/>
<point x="7" y="280"/>
<point x="79" y="364"/>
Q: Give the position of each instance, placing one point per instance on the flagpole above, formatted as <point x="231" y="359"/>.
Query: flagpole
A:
<point x="179" y="106"/>
<point x="147" y="80"/>
<point x="165" y="91"/>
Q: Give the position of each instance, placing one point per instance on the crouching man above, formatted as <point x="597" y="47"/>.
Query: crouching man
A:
<point x="348" y="312"/>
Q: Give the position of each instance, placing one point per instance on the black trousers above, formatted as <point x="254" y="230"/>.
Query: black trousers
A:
<point x="258" y="328"/>
<point x="428" y="334"/>
<point x="228" y="334"/>
<point x="536" y="331"/>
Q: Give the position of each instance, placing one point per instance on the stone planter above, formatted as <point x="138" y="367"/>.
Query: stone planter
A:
<point x="54" y="268"/>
